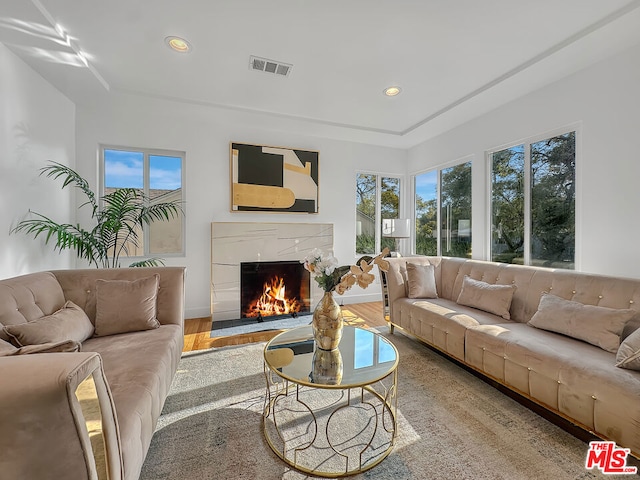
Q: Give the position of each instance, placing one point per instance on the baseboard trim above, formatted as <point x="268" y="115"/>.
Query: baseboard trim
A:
<point x="197" y="313"/>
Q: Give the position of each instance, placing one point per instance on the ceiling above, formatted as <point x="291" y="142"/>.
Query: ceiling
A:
<point x="453" y="59"/>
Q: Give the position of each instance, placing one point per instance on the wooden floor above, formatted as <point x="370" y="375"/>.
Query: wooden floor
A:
<point x="197" y="331"/>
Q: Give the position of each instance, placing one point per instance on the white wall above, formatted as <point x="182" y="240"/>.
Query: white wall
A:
<point x="37" y="123"/>
<point x="605" y="102"/>
<point x="204" y="134"/>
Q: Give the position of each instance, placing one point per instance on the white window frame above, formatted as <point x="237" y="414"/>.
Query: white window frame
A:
<point x="146" y="171"/>
<point x="438" y="169"/>
<point x="574" y="127"/>
<point x="378" y="207"/>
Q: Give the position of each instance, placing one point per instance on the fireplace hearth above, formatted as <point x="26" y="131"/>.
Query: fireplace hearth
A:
<point x="270" y="290"/>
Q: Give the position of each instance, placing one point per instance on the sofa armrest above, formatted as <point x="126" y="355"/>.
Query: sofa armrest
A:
<point x="43" y="430"/>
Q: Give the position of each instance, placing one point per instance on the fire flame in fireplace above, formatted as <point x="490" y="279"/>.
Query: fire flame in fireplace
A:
<point x="273" y="300"/>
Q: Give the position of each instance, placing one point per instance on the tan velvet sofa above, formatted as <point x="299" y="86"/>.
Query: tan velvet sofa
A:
<point x="572" y="378"/>
<point x="87" y="414"/>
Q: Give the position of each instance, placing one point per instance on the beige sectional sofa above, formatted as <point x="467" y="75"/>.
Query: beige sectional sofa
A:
<point x="571" y="377"/>
<point x="87" y="406"/>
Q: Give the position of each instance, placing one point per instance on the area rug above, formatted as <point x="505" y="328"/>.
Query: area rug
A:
<point x="451" y="425"/>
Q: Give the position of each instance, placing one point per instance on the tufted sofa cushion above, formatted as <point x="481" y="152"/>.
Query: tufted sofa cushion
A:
<point x="28" y="297"/>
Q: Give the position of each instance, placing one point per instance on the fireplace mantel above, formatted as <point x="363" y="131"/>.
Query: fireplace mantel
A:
<point x="235" y="242"/>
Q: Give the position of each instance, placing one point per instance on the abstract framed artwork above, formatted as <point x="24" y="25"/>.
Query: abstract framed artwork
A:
<point x="273" y="179"/>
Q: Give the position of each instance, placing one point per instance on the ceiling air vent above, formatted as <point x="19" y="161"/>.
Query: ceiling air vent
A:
<point x="269" y="66"/>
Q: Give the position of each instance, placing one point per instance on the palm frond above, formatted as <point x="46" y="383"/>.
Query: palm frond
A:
<point x="65" y="237"/>
<point x="148" y="262"/>
<point x="164" y="211"/>
<point x="57" y="170"/>
<point x="119" y="217"/>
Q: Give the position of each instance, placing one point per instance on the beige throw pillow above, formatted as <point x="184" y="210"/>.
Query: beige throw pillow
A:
<point x="600" y="326"/>
<point x="126" y="306"/>
<point x="68" y="323"/>
<point x="628" y="355"/>
<point x="630" y="327"/>
<point x="485" y="296"/>
<point x="421" y="280"/>
<point x="7" y="349"/>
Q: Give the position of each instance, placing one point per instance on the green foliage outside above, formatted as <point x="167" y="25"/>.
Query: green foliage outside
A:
<point x="366" y="206"/>
<point x="553" y="191"/>
<point x="552" y="207"/>
<point x="456" y="206"/>
<point x="552" y="203"/>
<point x="507" y="204"/>
<point x="426" y="227"/>
<point x="365" y="243"/>
<point x="455" y="201"/>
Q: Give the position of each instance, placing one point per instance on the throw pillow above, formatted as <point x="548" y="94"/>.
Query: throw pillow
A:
<point x="68" y="323"/>
<point x="422" y="281"/>
<point x="628" y="355"/>
<point x="630" y="327"/>
<point x="6" y="348"/>
<point x="485" y="296"/>
<point x="600" y="326"/>
<point x="126" y="306"/>
<point x="64" y="346"/>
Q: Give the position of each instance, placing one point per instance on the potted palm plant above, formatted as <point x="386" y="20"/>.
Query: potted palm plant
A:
<point x="118" y="218"/>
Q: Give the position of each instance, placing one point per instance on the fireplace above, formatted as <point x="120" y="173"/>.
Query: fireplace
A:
<point x="274" y="289"/>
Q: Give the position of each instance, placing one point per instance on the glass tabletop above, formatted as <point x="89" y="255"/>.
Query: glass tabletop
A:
<point x="363" y="357"/>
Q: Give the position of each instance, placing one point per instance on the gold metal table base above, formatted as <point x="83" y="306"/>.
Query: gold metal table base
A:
<point x="330" y="432"/>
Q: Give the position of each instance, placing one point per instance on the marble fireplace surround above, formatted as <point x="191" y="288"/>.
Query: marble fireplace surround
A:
<point x="235" y="242"/>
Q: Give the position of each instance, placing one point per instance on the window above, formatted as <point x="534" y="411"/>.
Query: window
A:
<point x="426" y="188"/>
<point x="377" y="198"/>
<point x="533" y="203"/>
<point x="159" y="175"/>
<point x="455" y="211"/>
<point x="443" y="221"/>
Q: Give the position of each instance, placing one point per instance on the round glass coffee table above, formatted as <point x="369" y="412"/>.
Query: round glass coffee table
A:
<point x="331" y="413"/>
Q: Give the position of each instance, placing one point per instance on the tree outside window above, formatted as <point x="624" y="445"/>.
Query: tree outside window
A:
<point x="443" y="211"/>
<point x="455" y="211"/>
<point x="544" y="173"/>
<point x="377" y="198"/>
<point x="426" y="209"/>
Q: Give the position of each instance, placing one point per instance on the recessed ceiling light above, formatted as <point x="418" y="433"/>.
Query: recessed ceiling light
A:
<point x="178" y="44"/>
<point x="391" y="91"/>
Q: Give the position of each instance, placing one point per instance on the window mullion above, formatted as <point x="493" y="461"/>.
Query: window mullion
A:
<point x="378" y="213"/>
<point x="489" y="204"/>
<point x="527" y="204"/>
<point x="146" y="182"/>
<point x="438" y="216"/>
